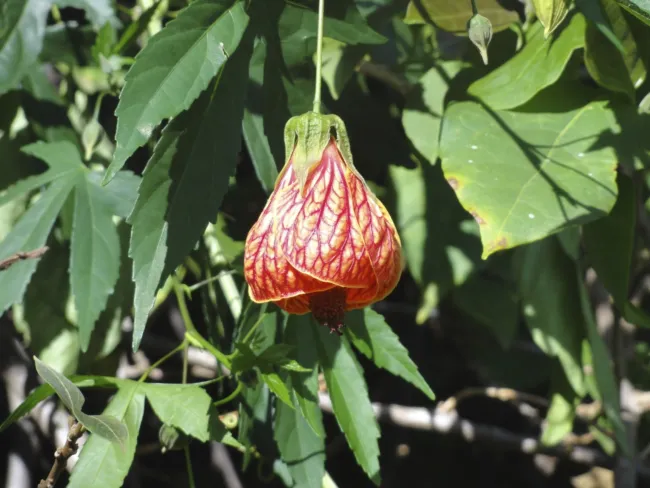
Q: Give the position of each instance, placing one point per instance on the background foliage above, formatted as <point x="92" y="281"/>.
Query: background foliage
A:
<point x="139" y="141"/>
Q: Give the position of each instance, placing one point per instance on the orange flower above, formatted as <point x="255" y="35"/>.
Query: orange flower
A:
<point x="323" y="243"/>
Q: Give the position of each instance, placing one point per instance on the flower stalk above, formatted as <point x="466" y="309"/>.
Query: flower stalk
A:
<point x="319" y="56"/>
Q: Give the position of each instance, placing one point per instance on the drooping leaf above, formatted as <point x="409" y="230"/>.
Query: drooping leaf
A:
<point x="28" y="234"/>
<point x="105" y="426"/>
<point x="424" y="107"/>
<point x="148" y="247"/>
<point x="551" y="306"/>
<point x="538" y="65"/>
<point x="373" y="337"/>
<point x="95" y="256"/>
<point x="277" y="386"/>
<point x="522" y="183"/>
<point x="350" y="402"/>
<point x="173" y="69"/>
<point x="22" y="27"/>
<point x="594" y="13"/>
<point x="103" y="464"/>
<point x="453" y="16"/>
<point x="186" y="407"/>
<point x="615" y="70"/>
<point x="439" y="239"/>
<point x="207" y="155"/>
<point x="603" y="371"/>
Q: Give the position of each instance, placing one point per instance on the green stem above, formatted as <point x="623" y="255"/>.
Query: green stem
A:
<point x="474" y="8"/>
<point x="319" y="55"/>
<point x="191" y="334"/>
<point x="148" y="371"/>
<point x="188" y="463"/>
<point x="230" y="397"/>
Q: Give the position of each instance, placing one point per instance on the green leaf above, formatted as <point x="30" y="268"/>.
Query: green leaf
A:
<point x="424" y="108"/>
<point x="551" y="306"/>
<point x="260" y="151"/>
<point x="135" y="29"/>
<point x="277" y="386"/>
<point x="538" y="65"/>
<point x="301" y="448"/>
<point x="63" y="161"/>
<point x="373" y="337"/>
<point x="594" y="13"/>
<point x="148" y="247"/>
<point x="34" y="398"/>
<point x="173" y="69"/>
<point x="350" y="401"/>
<point x="298" y="29"/>
<point x="561" y="413"/>
<point x="339" y="63"/>
<point x="639" y="8"/>
<point x="22" y="27"/>
<point x="453" y="16"/>
<point x="439" y="239"/>
<point x="30" y="233"/>
<point x="103" y="464"/>
<point x="610" y="245"/>
<point x="186" y="407"/>
<point x="521" y="183"/>
<point x="305" y="386"/>
<point x="95" y="256"/>
<point x="607" y="393"/>
<point x="105" y="426"/>
<point x="609" y="242"/>
<point x="207" y="155"/>
<point x="615" y="70"/>
<point x="39" y="85"/>
<point x="120" y="193"/>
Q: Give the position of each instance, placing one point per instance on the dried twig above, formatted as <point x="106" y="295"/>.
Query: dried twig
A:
<point x="62" y="455"/>
<point x="21" y="256"/>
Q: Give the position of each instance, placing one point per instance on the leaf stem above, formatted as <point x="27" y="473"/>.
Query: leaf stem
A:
<point x="148" y="371"/>
<point x="188" y="463"/>
<point x="230" y="397"/>
<point x="319" y="55"/>
<point x="474" y="7"/>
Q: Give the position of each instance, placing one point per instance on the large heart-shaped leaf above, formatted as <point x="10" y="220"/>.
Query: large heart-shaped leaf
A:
<point x="524" y="176"/>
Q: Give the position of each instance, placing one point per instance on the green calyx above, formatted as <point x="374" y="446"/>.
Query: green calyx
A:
<point x="305" y="138"/>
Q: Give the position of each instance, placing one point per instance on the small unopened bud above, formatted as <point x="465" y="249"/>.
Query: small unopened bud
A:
<point x="480" y="33"/>
<point x="171" y="439"/>
<point x="551" y="13"/>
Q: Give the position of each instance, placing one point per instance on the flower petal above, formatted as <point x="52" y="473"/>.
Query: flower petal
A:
<point x="317" y="230"/>
<point x="269" y="275"/>
<point x="381" y="241"/>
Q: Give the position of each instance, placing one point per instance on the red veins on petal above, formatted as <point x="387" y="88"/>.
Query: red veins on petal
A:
<point x="333" y="234"/>
<point x="269" y="275"/>
<point x="318" y="232"/>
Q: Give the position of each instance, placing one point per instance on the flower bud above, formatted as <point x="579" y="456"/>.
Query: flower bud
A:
<point x="171" y="439"/>
<point x="480" y="33"/>
<point x="551" y="13"/>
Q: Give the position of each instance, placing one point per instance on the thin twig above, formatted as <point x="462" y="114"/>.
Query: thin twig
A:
<point x="62" y="455"/>
<point x="449" y="422"/>
<point x="21" y="256"/>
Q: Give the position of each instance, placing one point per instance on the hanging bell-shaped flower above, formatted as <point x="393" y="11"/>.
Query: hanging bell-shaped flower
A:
<point x="324" y="243"/>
